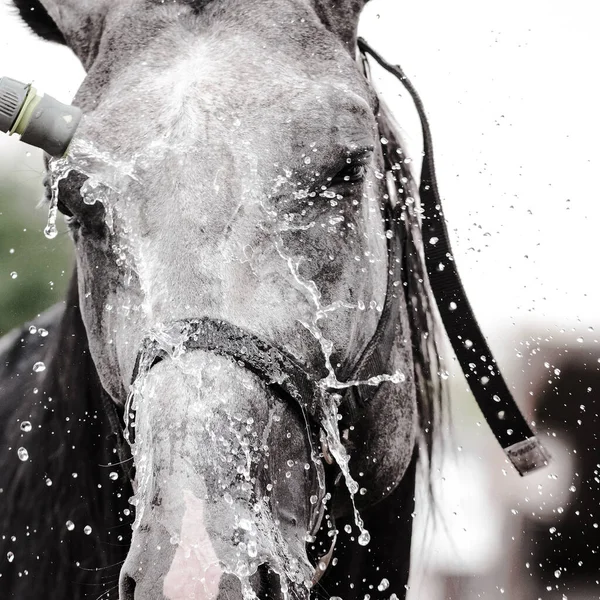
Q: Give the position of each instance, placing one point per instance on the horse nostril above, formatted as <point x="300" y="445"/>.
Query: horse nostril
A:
<point x="127" y="591"/>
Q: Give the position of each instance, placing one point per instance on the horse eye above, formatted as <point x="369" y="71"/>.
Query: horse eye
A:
<point x="352" y="173"/>
<point x="355" y="173"/>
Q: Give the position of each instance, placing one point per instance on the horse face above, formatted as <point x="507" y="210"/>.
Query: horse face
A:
<point x="251" y="195"/>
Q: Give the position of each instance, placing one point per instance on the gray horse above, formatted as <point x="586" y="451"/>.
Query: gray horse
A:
<point x="248" y="304"/>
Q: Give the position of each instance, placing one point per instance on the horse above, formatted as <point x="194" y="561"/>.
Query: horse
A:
<point x="233" y="397"/>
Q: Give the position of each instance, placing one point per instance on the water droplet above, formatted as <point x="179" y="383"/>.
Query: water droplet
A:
<point x="48" y="481"/>
<point x="14" y="275"/>
<point x="313" y="499"/>
<point x="307" y="160"/>
<point x="23" y="454"/>
<point x="26" y="426"/>
<point x="364" y="538"/>
<point x="32" y="329"/>
<point x="434" y="240"/>
<point x="227" y="497"/>
<point x="452" y="306"/>
<point x="384" y="585"/>
<point x="39" y="367"/>
<point x="92" y="191"/>
<point x="113" y="475"/>
<point x="50" y="230"/>
<point x="87" y="530"/>
<point x="70" y="525"/>
<point x="245" y="524"/>
<point x="557" y="573"/>
<point x="10" y="556"/>
<point x="43" y="332"/>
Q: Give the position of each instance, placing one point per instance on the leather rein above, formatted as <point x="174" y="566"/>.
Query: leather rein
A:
<point x="521" y="446"/>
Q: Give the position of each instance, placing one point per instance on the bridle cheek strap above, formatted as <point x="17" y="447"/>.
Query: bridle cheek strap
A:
<point x="477" y="362"/>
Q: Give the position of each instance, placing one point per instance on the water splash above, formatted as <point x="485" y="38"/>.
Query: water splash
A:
<point x="106" y="175"/>
<point x="57" y="174"/>
<point x="338" y="451"/>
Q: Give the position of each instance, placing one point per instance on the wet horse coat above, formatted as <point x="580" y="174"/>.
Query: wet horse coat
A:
<point x="262" y="220"/>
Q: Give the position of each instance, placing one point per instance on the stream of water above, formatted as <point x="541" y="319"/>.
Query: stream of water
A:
<point x="106" y="174"/>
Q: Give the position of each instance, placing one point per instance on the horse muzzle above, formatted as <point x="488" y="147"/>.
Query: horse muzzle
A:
<point x="227" y="471"/>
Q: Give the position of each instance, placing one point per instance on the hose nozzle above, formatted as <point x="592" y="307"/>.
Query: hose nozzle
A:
<point x="41" y="121"/>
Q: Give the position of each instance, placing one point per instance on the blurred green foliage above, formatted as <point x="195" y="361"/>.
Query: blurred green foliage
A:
<point x="34" y="271"/>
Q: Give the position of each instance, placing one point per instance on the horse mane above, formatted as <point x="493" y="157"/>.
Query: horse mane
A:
<point x="70" y="446"/>
<point x="426" y="330"/>
<point x="38" y="20"/>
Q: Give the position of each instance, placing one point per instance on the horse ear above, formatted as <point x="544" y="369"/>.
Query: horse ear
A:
<point x="39" y="21"/>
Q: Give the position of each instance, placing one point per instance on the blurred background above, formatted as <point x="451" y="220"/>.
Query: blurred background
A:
<point x="512" y="97"/>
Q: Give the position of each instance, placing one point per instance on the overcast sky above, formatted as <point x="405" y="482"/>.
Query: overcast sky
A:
<point x="513" y="97"/>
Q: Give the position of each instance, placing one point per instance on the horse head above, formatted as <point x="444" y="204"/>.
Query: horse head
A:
<point x="236" y="258"/>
